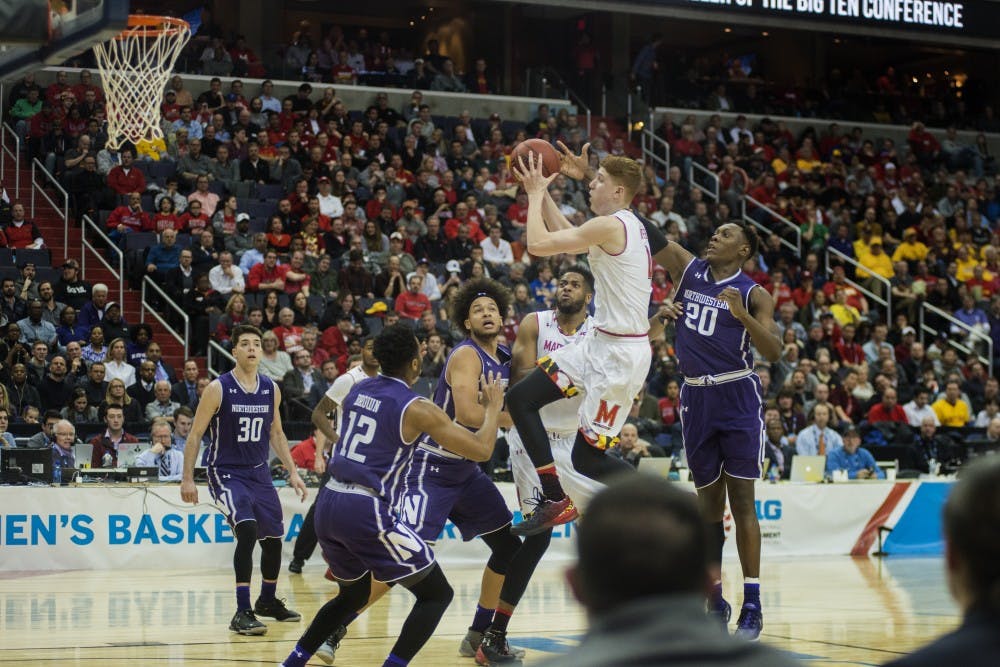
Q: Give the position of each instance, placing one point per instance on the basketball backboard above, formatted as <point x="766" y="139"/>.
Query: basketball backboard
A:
<point x="37" y="33"/>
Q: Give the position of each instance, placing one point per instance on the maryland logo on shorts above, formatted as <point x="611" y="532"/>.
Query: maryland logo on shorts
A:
<point x="551" y="368"/>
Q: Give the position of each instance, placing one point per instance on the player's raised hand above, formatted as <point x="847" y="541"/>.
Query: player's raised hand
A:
<point x="529" y="170"/>
<point x="492" y="391"/>
<point x="573" y="166"/>
<point x="734" y="300"/>
<point x="669" y="310"/>
<point x="296" y="483"/>
<point x="189" y="492"/>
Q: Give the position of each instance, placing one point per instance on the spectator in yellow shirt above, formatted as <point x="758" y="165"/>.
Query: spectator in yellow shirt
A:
<point x="877" y="263"/>
<point x="966" y="261"/>
<point x="910" y="250"/>
<point x="842" y="311"/>
<point x="950" y="409"/>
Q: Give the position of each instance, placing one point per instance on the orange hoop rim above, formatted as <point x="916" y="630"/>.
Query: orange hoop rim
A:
<point x="152" y="26"/>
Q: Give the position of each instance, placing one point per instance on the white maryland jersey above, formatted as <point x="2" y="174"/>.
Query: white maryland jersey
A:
<point x="338" y="390"/>
<point x="623" y="282"/>
<point x="560" y="416"/>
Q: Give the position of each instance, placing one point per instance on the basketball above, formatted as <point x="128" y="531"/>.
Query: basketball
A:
<point x="550" y="158"/>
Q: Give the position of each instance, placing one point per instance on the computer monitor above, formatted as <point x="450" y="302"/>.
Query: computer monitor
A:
<point x="21" y="465"/>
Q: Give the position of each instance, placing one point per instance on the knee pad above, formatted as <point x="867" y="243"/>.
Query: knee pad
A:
<point x="503" y="545"/>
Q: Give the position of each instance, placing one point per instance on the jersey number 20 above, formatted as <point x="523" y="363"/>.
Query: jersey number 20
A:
<point x="364" y="435"/>
<point x="700" y="318"/>
<point x="250" y="429"/>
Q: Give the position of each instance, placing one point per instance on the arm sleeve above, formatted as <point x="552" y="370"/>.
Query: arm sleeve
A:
<point x="657" y="240"/>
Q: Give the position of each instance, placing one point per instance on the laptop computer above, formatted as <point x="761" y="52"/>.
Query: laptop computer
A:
<point x="128" y="452"/>
<point x="808" y="468"/>
<point x="656" y="465"/>
<point x="143" y="474"/>
<point x="21" y="465"/>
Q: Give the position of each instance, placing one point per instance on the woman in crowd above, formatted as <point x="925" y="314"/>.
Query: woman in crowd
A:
<point x="79" y="410"/>
<point x="236" y="313"/>
<point x="274" y="363"/>
<point x="118" y="395"/>
<point x="69" y="329"/>
<point x="116" y="364"/>
<point x="270" y="309"/>
<point x="95" y="350"/>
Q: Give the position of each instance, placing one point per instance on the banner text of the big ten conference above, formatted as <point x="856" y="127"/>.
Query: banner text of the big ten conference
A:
<point x="898" y="13"/>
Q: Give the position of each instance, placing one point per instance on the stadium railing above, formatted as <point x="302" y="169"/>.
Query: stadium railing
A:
<point x="39" y="187"/>
<point x="695" y="171"/>
<point x="7" y="132"/>
<point x="795" y="247"/>
<point x="973" y="336"/>
<point x="216" y="352"/>
<point x="165" y="302"/>
<point x="885" y="302"/>
<point x="655" y="150"/>
<point x="87" y="247"/>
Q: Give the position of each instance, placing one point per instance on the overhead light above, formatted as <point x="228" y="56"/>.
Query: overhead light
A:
<point x="765" y="33"/>
<point x="727" y="30"/>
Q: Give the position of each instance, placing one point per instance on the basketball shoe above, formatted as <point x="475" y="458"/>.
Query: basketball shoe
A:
<point x="471" y="642"/>
<point x="328" y="650"/>
<point x="245" y="623"/>
<point x="750" y="623"/>
<point x="494" y="649"/>
<point x="277" y="610"/>
<point x="720" y="611"/>
<point x="295" y="567"/>
<point x="548" y="513"/>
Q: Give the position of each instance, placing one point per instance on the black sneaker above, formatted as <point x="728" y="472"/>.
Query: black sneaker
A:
<point x="328" y="651"/>
<point x="494" y="649"/>
<point x="548" y="513"/>
<point x="245" y="623"/>
<point x="277" y="610"/>
<point x="295" y="567"/>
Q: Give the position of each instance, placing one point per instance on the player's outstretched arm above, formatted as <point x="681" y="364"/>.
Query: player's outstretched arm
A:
<point x="541" y="241"/>
<point x="422" y="416"/>
<point x="208" y="405"/>
<point x="320" y="420"/>
<point x="759" y="323"/>
<point x="463" y="373"/>
<point x="279" y="443"/>
<point x="674" y="258"/>
<point x="524" y="355"/>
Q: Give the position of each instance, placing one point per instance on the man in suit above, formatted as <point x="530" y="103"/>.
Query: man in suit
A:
<point x="164" y="371"/>
<point x="185" y="392"/>
<point x="143" y="391"/>
<point x="298" y="383"/>
<point x="649" y="611"/>
<point x="971" y="554"/>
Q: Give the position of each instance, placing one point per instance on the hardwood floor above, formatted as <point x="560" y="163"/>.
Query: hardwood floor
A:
<point x="824" y="611"/>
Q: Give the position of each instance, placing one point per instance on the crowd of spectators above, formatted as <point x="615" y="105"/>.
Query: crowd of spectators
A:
<point x="321" y="224"/>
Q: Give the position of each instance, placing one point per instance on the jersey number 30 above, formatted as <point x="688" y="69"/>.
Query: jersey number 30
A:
<point x="250" y="429"/>
<point x="700" y="318"/>
<point x="362" y="435"/>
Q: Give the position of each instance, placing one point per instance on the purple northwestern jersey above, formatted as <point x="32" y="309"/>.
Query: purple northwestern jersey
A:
<point x="240" y="432"/>
<point x="710" y="341"/>
<point x="371" y="451"/>
<point x="443" y="397"/>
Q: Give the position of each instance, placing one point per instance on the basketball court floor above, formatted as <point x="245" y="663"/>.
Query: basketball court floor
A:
<point x="823" y="611"/>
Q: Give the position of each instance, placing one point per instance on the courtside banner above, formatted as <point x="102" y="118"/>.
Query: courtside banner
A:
<point x="107" y="527"/>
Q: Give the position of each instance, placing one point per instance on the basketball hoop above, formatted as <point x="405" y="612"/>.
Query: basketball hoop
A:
<point x="135" y="67"/>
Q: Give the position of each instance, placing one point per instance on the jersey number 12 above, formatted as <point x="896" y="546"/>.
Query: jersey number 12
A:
<point x="363" y="435"/>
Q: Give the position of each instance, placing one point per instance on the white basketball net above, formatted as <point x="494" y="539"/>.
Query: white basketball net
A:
<point x="135" y="69"/>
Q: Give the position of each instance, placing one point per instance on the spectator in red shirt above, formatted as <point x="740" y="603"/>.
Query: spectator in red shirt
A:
<point x="888" y="410"/>
<point x="126" y="178"/>
<point x="194" y="220"/>
<point x="87" y="84"/>
<point x="463" y="217"/>
<point x="289" y="335"/>
<point x="924" y="145"/>
<point x="412" y="303"/>
<point x="304" y="453"/>
<point x="296" y="278"/>
<point x="127" y="219"/>
<point x="267" y="275"/>
<point x="334" y="340"/>
<point x="670" y="405"/>
<point x="21" y="233"/>
<point x="847" y="349"/>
